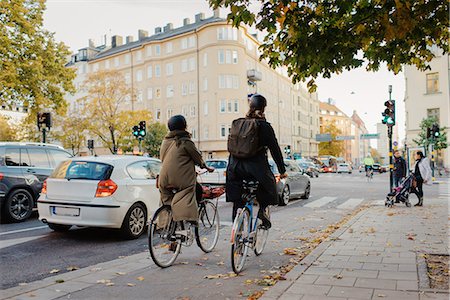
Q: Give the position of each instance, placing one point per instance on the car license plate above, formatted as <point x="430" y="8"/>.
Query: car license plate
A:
<point x="65" y="211"/>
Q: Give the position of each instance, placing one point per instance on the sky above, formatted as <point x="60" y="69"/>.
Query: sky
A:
<point x="74" y="22"/>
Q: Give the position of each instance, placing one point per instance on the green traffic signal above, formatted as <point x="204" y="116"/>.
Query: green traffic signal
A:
<point x="142" y="132"/>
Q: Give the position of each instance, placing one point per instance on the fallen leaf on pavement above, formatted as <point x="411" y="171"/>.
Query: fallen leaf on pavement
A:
<point x="390" y="214"/>
<point x="410" y="237"/>
<point x="59" y="280"/>
<point x="381" y="295"/>
<point x="312" y="230"/>
<point x="72" y="268"/>
<point x="54" y="271"/>
<point x="95" y="269"/>
<point x="103" y="281"/>
<point x="338" y="276"/>
<point x="131" y="284"/>
<point x="220" y="263"/>
<point x="350" y="230"/>
<point x="199" y="264"/>
<point x="290" y="251"/>
<point x="109" y="284"/>
<point x="31" y="295"/>
<point x="248" y="281"/>
<point x="121" y="273"/>
<point x="23" y="283"/>
<point x="140" y="278"/>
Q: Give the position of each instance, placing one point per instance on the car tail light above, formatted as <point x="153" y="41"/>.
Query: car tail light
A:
<point x="1" y="176"/>
<point x="225" y="173"/>
<point x="105" y="188"/>
<point x="277" y="178"/>
<point x="44" y="187"/>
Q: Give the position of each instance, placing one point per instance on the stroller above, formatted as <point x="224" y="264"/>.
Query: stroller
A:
<point x="401" y="193"/>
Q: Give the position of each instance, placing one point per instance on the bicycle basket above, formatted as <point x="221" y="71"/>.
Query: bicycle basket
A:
<point x="210" y="192"/>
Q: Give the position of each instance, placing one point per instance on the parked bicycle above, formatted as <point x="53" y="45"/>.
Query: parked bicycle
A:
<point x="166" y="236"/>
<point x="247" y="232"/>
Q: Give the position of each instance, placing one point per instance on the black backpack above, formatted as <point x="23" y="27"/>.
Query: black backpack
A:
<point x="243" y="140"/>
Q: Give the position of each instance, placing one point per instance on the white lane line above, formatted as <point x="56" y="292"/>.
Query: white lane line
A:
<point x="320" y="202"/>
<point x="23" y="230"/>
<point x="350" y="203"/>
<point x="12" y="242"/>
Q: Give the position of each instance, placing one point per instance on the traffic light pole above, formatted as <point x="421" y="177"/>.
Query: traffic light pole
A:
<point x="44" y="131"/>
<point x="391" y="161"/>
<point x="140" y="145"/>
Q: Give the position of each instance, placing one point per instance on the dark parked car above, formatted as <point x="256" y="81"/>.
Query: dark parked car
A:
<point x="377" y="168"/>
<point x="309" y="168"/>
<point x="294" y="186"/>
<point x="23" y="169"/>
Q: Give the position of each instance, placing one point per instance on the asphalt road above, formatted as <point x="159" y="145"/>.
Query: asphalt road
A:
<point x="29" y="250"/>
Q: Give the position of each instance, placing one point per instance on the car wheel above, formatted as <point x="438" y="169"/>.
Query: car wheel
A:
<point x="307" y="191"/>
<point x="134" y="222"/>
<point x="18" y="206"/>
<point x="59" y="227"/>
<point x="285" y="196"/>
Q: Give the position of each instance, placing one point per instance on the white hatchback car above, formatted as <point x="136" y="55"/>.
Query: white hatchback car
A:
<point x="218" y="176"/>
<point x="105" y="191"/>
<point x="344" y="168"/>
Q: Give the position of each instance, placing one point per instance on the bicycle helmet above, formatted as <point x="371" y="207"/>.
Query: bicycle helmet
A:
<point x="258" y="102"/>
<point x="177" y="122"/>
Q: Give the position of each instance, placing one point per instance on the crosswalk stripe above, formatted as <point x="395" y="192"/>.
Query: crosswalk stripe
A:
<point x="12" y="242"/>
<point x="320" y="202"/>
<point x="350" y="203"/>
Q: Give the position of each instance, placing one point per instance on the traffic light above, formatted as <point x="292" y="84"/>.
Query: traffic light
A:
<point x="389" y="113"/>
<point x="44" y="120"/>
<point x="135" y="131"/>
<point x="287" y="149"/>
<point x="142" y="129"/>
<point x="435" y="131"/>
<point x="428" y="132"/>
<point x="90" y="144"/>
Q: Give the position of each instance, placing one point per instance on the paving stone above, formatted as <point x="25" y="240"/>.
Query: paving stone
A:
<point x="407" y="285"/>
<point x="397" y="260"/>
<point x="71" y="286"/>
<point x="41" y="294"/>
<point x="407" y="268"/>
<point x="395" y="295"/>
<point x="334" y="258"/>
<point x="322" y="271"/>
<point x="360" y="273"/>
<point x="333" y="280"/>
<point x="381" y="267"/>
<point x="375" y="283"/>
<point x="373" y="259"/>
<point x="308" y="289"/>
<point x="305" y="278"/>
<point x="309" y="297"/>
<point x="289" y="296"/>
<point x="346" y="292"/>
<point x="408" y="254"/>
<point x="398" y="275"/>
<point x="345" y="264"/>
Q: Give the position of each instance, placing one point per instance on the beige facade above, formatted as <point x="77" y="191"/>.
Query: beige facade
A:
<point x="426" y="95"/>
<point x="360" y="146"/>
<point x="204" y="71"/>
<point x="383" y="142"/>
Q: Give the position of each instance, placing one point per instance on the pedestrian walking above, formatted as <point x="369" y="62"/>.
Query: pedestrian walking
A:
<point x="422" y="174"/>
<point x="249" y="139"/>
<point x="399" y="168"/>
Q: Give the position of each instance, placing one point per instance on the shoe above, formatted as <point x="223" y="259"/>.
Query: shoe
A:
<point x="266" y="224"/>
<point x="420" y="203"/>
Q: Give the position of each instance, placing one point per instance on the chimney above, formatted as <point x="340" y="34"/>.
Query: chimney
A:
<point x="142" y="34"/>
<point x="116" y="41"/>
<point x="91" y="43"/>
<point x="129" y="39"/>
<point x="217" y="13"/>
<point x="168" y="27"/>
<point x="199" y="17"/>
<point x="157" y="30"/>
<point x="186" y="21"/>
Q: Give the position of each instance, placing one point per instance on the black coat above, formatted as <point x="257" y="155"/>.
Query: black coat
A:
<point x="399" y="167"/>
<point x="256" y="168"/>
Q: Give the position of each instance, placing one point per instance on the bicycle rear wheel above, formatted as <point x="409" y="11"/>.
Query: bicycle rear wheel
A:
<point x="207" y="231"/>
<point x="164" y="247"/>
<point x="239" y="240"/>
<point x="261" y="235"/>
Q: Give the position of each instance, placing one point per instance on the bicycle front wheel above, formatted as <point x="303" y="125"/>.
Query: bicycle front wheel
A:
<point x="239" y="240"/>
<point x="164" y="247"/>
<point x="207" y="231"/>
<point x="261" y="235"/>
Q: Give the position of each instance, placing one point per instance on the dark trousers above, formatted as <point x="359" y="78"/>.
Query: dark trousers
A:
<point x="397" y="181"/>
<point x="418" y="190"/>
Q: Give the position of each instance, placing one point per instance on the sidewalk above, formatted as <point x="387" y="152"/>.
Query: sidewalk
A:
<point x="380" y="254"/>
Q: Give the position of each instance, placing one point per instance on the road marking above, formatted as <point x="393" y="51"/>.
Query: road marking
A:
<point x="350" y="203"/>
<point x="23" y="230"/>
<point x="12" y="242"/>
<point x="320" y="202"/>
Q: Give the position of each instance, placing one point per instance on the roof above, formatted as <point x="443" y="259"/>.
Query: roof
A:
<point x="330" y="107"/>
<point x="158" y="37"/>
<point x="113" y="158"/>
<point x="30" y="144"/>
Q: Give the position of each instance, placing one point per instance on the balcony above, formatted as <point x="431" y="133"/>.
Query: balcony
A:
<point x="254" y="75"/>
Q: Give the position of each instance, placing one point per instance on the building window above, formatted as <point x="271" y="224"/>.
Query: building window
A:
<point x="192" y="111"/>
<point x="107" y="64"/>
<point x="139" y="96"/>
<point x="149" y="72"/>
<point x="127" y="78"/>
<point x="158" y="93"/>
<point x="157" y="50"/>
<point x="169" y="91"/>
<point x="169" y="69"/>
<point x="138" y="55"/>
<point x="228" y="81"/>
<point x="205" y="84"/>
<point x="432" y="83"/>
<point x="191" y="41"/>
<point x="433" y="113"/>
<point x="149" y="93"/>
<point x="236" y="106"/>
<point x="192" y="64"/>
<point x="184" y="89"/>
<point x="228" y="57"/>
<point x="184" y="43"/>
<point x="235" y="57"/>
<point x="206" y="132"/>
<point x="169" y="113"/>
<point x="227" y="33"/>
<point x="230" y="106"/>
<point x="149" y="51"/>
<point x="139" y="75"/>
<point x="205" y="108"/>
<point x="157" y="71"/>
<point x="116" y="62"/>
<point x="223" y="131"/>
<point x="221" y="56"/>
<point x="127" y="59"/>
<point x="158" y="114"/>
<point x="194" y="133"/>
<point x="222" y="106"/>
<point x="191" y="87"/>
<point x="205" y="59"/>
<point x="169" y="47"/>
<point x="184" y="65"/>
<point x="184" y="111"/>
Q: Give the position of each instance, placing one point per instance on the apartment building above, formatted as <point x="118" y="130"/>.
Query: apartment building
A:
<point x="360" y="147"/>
<point x="204" y="71"/>
<point x="427" y="95"/>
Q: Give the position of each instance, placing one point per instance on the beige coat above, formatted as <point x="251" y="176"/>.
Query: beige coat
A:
<point x="177" y="178"/>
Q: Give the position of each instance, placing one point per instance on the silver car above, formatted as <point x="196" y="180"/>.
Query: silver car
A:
<point x="296" y="185"/>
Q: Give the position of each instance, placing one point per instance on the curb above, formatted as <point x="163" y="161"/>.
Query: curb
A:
<point x="282" y="286"/>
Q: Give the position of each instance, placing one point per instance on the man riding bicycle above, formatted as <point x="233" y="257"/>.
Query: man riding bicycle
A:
<point x="249" y="139"/>
<point x="368" y="164"/>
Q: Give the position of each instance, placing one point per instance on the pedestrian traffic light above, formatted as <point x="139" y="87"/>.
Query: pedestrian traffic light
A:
<point x="428" y="132"/>
<point x="142" y="129"/>
<point x="287" y="149"/>
<point x="389" y="113"/>
<point x="90" y="144"/>
<point x="135" y="131"/>
<point x="44" y="120"/>
<point x="435" y="131"/>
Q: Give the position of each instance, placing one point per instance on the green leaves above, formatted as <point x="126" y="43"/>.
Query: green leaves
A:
<point x="439" y="142"/>
<point x="323" y="37"/>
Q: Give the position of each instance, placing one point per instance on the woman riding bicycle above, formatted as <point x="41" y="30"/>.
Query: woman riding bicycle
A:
<point x="255" y="167"/>
<point x="178" y="179"/>
<point x="368" y="164"/>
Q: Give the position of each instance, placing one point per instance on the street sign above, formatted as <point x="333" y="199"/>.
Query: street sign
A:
<point x="324" y="137"/>
<point x="395" y="143"/>
<point x="345" y="137"/>
<point x="368" y="136"/>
